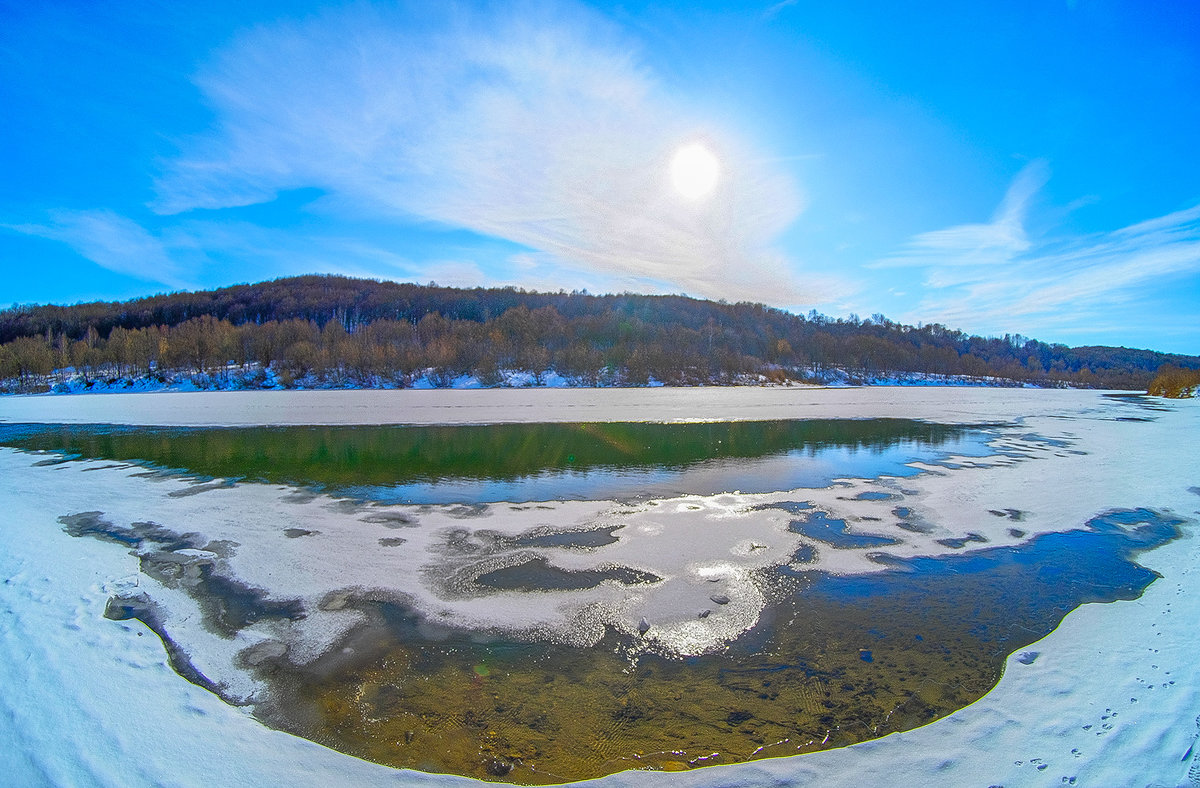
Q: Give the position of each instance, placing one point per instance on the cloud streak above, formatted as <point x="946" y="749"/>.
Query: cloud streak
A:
<point x="546" y="133"/>
<point x="113" y="242"/>
<point x="993" y="278"/>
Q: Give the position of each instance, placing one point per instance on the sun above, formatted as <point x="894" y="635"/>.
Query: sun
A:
<point x="694" y="171"/>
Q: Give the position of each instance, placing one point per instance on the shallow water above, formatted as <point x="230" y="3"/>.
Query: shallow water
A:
<point x="834" y="660"/>
<point x="524" y="462"/>
<point x="817" y="525"/>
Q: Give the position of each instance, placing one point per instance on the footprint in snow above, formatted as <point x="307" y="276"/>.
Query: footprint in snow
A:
<point x="1193" y="752"/>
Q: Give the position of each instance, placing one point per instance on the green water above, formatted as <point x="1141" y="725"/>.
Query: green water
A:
<point x="522" y="462"/>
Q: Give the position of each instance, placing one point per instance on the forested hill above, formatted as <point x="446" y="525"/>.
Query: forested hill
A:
<point x="332" y="330"/>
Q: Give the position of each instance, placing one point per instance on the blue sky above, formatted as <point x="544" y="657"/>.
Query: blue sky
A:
<point x="1016" y="167"/>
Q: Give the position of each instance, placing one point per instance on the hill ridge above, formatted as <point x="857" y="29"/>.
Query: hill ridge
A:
<point x="338" y="330"/>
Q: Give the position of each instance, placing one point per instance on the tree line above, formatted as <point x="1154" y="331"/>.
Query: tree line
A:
<point x="333" y="330"/>
<point x="1171" y="381"/>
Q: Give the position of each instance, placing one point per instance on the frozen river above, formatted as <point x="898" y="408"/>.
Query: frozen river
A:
<point x="674" y="573"/>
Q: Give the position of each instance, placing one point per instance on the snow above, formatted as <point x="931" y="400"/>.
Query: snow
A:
<point x="90" y="701"/>
<point x="252" y="376"/>
<point x="495" y="406"/>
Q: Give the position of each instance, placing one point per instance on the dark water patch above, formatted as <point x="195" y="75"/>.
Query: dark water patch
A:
<point x="836" y="533"/>
<point x="1041" y="440"/>
<point x="537" y="574"/>
<point x="134" y="535"/>
<point x="94" y="524"/>
<point x="523" y="462"/>
<point x="1017" y="533"/>
<point x="875" y="496"/>
<point x="346" y="506"/>
<point x="296" y="533"/>
<point x="261" y="653"/>
<point x="391" y="541"/>
<point x="391" y="519"/>
<point x="191" y="563"/>
<point x="157" y="474"/>
<point x="547" y="537"/>
<point x="142" y="608"/>
<point x="197" y="488"/>
<point x="959" y="542"/>
<point x="1015" y="515"/>
<point x="458" y="542"/>
<point x="230" y="605"/>
<point x="227" y="605"/>
<point x="805" y="554"/>
<point x="1143" y="401"/>
<point x="465" y="511"/>
<point x="909" y="521"/>
<point x="1096" y="557"/>
<point x="835" y="660"/>
<point x="791" y="507"/>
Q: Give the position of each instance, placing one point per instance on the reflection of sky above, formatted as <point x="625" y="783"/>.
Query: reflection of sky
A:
<point x="784" y="471"/>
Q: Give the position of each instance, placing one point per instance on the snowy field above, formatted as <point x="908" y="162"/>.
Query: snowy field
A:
<point x="1111" y="699"/>
<point x="954" y="405"/>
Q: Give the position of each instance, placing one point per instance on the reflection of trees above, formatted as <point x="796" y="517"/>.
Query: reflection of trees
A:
<point x="395" y="455"/>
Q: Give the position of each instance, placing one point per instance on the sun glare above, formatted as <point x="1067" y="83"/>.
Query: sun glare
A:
<point x="694" y="171"/>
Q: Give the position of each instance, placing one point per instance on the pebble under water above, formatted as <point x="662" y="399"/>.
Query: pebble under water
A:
<point x="834" y="660"/>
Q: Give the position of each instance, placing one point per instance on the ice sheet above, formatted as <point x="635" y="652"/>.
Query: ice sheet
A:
<point x="498" y="406"/>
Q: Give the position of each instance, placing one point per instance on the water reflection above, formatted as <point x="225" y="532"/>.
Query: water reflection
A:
<point x="524" y="462"/>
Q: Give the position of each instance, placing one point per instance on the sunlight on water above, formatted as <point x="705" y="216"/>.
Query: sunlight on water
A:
<point x="524" y="462"/>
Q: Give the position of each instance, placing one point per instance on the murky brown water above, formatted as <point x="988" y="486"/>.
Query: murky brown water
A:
<point x="834" y="661"/>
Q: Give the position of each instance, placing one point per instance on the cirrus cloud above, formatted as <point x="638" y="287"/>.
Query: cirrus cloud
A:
<point x="992" y="277"/>
<point x="542" y="129"/>
<point x="111" y="241"/>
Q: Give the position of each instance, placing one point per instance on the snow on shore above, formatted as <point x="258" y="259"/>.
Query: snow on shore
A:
<point x="90" y="701"/>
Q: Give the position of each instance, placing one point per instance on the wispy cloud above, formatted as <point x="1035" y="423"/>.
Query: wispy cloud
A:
<point x="993" y="278"/>
<point x="773" y="10"/>
<point x="540" y="127"/>
<point x="113" y="242"/>
<point x="984" y="246"/>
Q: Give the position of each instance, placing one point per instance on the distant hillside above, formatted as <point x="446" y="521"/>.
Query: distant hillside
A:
<point x="338" y="331"/>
